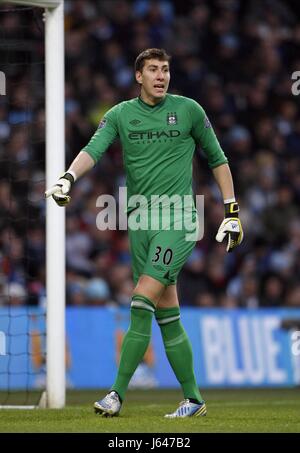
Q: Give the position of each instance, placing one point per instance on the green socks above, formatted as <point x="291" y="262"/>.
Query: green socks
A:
<point x="179" y="350"/>
<point x="135" y="342"/>
<point x="177" y="345"/>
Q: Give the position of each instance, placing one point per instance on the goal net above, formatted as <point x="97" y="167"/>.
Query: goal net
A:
<point x="31" y="371"/>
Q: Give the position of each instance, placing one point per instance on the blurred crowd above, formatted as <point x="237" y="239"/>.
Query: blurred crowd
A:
<point x="236" y="59"/>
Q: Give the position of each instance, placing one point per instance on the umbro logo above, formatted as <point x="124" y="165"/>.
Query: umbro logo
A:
<point x="135" y="122"/>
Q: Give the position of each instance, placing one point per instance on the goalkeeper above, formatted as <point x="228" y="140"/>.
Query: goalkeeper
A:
<point x="158" y="133"/>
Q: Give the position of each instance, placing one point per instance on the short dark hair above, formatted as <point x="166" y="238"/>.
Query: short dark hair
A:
<point x="148" y="54"/>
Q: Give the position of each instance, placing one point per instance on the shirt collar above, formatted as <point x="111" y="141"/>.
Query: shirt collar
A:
<point x="151" y="107"/>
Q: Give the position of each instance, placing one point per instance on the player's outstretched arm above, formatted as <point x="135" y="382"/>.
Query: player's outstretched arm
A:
<point x="231" y="227"/>
<point x="61" y="189"/>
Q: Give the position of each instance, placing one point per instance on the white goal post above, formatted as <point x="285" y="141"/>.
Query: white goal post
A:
<point x="55" y="218"/>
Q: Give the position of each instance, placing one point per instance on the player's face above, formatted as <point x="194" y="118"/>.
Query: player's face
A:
<point x="154" y="78"/>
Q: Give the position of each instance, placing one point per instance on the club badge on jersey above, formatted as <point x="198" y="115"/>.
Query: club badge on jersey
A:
<point x="172" y="119"/>
<point x="206" y="123"/>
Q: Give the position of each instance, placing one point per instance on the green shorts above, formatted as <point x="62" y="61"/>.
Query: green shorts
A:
<point x="160" y="253"/>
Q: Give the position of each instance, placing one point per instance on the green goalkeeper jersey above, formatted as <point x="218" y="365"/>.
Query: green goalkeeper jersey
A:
<point x="158" y="144"/>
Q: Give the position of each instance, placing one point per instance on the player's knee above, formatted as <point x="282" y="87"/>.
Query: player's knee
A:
<point x="169" y="298"/>
<point x="149" y="288"/>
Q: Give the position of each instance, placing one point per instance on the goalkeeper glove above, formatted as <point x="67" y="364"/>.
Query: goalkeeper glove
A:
<point x="60" y="190"/>
<point x="231" y="227"/>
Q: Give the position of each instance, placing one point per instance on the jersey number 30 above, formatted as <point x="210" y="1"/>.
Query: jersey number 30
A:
<point x="167" y="256"/>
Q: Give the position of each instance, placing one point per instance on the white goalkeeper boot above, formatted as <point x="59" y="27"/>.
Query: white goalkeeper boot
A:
<point x="109" y="406"/>
<point x="188" y="409"/>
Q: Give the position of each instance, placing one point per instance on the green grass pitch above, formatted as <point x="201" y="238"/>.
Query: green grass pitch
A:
<point x="242" y="411"/>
